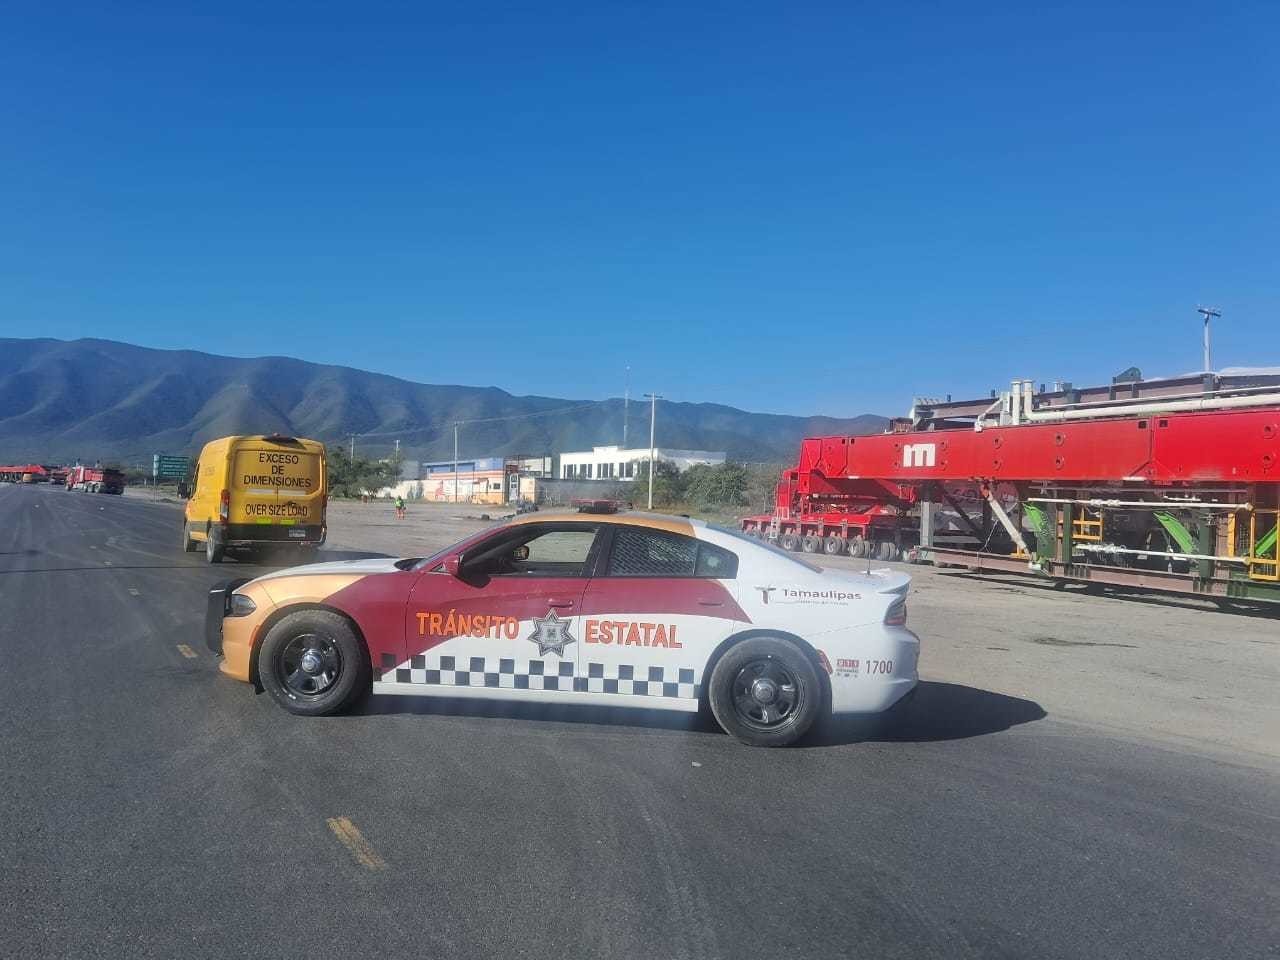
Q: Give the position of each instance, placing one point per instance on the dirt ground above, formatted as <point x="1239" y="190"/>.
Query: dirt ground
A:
<point x="1161" y="669"/>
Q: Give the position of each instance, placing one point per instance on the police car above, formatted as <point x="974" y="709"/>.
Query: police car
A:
<point x="633" y="610"/>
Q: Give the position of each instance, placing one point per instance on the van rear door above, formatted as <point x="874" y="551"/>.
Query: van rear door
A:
<point x="279" y="485"/>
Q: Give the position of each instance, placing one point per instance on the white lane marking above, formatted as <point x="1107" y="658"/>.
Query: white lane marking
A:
<point x="133" y="592"/>
<point x="186" y="651"/>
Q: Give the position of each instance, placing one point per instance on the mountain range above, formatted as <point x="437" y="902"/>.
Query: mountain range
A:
<point x="100" y="399"/>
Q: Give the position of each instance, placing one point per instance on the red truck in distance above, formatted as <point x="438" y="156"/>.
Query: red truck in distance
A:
<point x="95" y="480"/>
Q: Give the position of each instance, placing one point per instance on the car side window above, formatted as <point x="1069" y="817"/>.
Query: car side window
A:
<point x="537" y="553"/>
<point x="716" y="562"/>
<point x="639" y="552"/>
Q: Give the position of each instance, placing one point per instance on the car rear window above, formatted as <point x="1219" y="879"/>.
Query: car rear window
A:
<point x="638" y="552"/>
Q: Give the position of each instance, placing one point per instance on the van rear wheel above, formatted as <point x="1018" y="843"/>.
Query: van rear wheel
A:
<point x="213" y="548"/>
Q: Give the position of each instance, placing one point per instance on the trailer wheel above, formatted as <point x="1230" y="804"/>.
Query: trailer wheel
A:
<point x="887" y="550"/>
<point x="788" y="541"/>
<point x="833" y="546"/>
<point x="858" y="547"/>
<point x="811" y="544"/>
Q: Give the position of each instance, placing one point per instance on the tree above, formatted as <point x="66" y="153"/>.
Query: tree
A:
<point x="668" y="485"/>
<point x="350" y="478"/>
<point x="719" y="485"/>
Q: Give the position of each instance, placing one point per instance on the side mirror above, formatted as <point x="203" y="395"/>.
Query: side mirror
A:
<point x="453" y="566"/>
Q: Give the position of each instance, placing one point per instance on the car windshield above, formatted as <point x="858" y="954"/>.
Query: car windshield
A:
<point x="462" y="544"/>
<point x="764" y="545"/>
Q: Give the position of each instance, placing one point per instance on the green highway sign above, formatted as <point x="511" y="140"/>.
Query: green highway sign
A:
<point x="169" y="468"/>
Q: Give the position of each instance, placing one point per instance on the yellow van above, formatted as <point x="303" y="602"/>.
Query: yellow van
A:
<point x="252" y="493"/>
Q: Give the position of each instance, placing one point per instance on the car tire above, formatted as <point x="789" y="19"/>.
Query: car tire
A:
<point x="188" y="545"/>
<point x="213" y="550"/>
<point x="833" y="546"/>
<point x="748" y="694"/>
<point x="811" y="544"/>
<point x="313" y="664"/>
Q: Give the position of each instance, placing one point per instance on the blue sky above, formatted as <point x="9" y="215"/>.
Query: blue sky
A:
<point x="799" y="208"/>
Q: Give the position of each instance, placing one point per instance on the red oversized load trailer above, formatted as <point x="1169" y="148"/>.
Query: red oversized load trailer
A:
<point x="24" y="473"/>
<point x="1170" y="484"/>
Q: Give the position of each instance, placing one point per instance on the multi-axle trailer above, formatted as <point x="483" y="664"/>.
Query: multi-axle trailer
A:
<point x="1170" y="484"/>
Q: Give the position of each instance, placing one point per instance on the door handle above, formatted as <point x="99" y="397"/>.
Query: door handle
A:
<point x="710" y="603"/>
<point x="560" y="603"/>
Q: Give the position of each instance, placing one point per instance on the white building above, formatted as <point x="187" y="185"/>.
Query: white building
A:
<point x="613" y="463"/>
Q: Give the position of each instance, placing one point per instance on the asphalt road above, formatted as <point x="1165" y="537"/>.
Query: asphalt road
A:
<point x="152" y="808"/>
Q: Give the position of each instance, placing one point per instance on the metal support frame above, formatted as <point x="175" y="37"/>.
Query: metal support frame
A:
<point x="964" y="517"/>
<point x="926" y="520"/>
<point x="1010" y="528"/>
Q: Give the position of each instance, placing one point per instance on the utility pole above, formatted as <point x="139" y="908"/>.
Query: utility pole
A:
<point x="626" y="406"/>
<point x="653" y="399"/>
<point x="1208" y="313"/>
<point x="353" y="446"/>
<point x="455" y="461"/>
<point x="397" y="454"/>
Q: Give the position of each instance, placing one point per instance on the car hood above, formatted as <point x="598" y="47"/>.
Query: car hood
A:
<point x="360" y="567"/>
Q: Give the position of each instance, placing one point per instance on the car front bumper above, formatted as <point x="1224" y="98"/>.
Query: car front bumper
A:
<point x="230" y="638"/>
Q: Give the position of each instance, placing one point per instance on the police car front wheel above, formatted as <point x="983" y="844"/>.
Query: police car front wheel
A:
<point x="765" y="692"/>
<point x="313" y="664"/>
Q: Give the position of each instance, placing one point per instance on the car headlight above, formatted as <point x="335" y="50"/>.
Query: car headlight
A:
<point x="242" y="606"/>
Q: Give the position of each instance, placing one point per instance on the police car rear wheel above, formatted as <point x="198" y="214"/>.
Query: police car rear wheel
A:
<point x="765" y="692"/>
<point x="313" y="664"/>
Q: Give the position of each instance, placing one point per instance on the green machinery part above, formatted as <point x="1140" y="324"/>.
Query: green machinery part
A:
<point x="1175" y="528"/>
<point x="1043" y="528"/>
<point x="1266" y="546"/>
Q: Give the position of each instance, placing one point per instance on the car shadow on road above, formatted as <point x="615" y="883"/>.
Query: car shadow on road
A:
<point x="934" y="712"/>
<point x="539" y="712"/>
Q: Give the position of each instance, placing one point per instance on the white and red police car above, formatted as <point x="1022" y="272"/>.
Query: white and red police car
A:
<point x="633" y="610"/>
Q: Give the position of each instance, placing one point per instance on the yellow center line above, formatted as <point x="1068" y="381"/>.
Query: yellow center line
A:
<point x="356" y="844"/>
<point x="186" y="651"/>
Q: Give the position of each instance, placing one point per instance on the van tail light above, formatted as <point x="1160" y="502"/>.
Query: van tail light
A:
<point x="896" y="615"/>
<point x="224" y="507"/>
